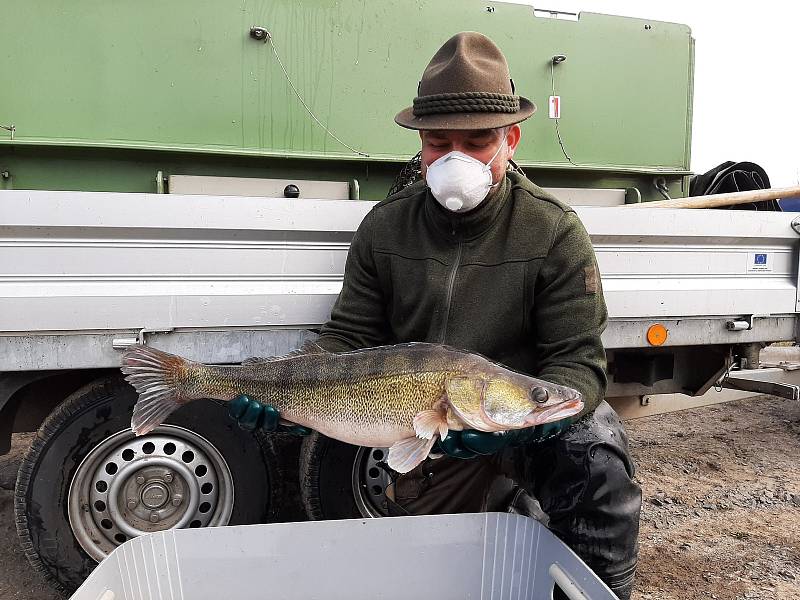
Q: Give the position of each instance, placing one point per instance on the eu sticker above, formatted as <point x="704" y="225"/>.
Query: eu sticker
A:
<point x="759" y="261"/>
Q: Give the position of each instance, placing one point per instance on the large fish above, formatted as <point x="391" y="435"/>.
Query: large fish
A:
<point x="401" y="396"/>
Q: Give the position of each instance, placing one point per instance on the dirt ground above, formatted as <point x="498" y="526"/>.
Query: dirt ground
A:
<point x="720" y="513"/>
<point x="721" y="501"/>
<point x="17" y="579"/>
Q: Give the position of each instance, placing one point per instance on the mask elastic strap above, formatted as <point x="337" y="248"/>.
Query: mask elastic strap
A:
<point x="491" y="160"/>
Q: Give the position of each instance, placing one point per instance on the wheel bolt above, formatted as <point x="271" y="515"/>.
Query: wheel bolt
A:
<point x="168" y="477"/>
<point x="132" y="503"/>
<point x="154" y="517"/>
<point x="140" y="479"/>
<point x="177" y="499"/>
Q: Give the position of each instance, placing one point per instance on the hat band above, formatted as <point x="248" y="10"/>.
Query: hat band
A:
<point x="465" y="102"/>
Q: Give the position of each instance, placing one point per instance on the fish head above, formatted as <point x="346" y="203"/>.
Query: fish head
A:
<point x="514" y="401"/>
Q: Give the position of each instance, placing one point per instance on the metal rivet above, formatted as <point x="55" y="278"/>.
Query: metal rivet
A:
<point x="132" y="503"/>
<point x="177" y="499"/>
<point x="168" y="477"/>
<point x="154" y="517"/>
<point x="259" y="33"/>
<point x="140" y="479"/>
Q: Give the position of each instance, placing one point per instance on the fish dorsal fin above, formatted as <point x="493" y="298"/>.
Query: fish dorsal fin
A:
<point x="254" y="360"/>
<point x="465" y="396"/>
<point x="308" y="347"/>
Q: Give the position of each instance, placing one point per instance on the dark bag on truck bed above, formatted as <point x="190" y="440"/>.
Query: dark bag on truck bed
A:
<point x="734" y="177"/>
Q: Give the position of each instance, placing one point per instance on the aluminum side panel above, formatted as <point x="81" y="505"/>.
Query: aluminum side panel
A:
<point x="74" y="262"/>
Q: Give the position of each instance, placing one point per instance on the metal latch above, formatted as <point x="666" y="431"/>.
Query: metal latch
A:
<point x="744" y="324"/>
<point x="123" y="343"/>
<point x="796" y="224"/>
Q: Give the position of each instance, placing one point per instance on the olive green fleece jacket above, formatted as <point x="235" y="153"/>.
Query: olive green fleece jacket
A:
<point x="514" y="279"/>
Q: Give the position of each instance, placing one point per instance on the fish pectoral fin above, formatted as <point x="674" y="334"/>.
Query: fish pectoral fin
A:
<point x="428" y="422"/>
<point x="408" y="453"/>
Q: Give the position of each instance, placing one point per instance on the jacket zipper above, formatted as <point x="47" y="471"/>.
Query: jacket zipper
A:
<point x="451" y="280"/>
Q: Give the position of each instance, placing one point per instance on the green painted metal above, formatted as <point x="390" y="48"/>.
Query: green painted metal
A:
<point x="97" y="169"/>
<point x="101" y="93"/>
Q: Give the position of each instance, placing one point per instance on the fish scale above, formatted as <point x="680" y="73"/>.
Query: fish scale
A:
<point x="363" y="400"/>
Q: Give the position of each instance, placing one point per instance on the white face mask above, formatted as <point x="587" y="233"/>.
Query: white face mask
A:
<point x="460" y="182"/>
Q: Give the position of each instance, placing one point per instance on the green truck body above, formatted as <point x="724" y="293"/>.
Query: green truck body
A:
<point x="101" y="96"/>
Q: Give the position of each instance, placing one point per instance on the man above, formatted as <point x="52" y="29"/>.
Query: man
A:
<point x="482" y="259"/>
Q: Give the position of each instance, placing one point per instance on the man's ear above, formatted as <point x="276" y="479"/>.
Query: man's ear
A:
<point x="513" y="136"/>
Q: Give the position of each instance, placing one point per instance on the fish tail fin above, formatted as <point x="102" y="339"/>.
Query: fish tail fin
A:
<point x="408" y="453"/>
<point x="156" y="376"/>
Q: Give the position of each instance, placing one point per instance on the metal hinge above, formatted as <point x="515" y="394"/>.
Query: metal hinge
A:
<point x="123" y="343"/>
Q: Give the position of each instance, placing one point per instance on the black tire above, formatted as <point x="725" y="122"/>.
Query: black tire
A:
<point x="326" y="481"/>
<point x="79" y="424"/>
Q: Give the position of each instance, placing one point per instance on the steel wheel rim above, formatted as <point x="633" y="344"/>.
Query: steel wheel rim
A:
<point x="127" y="485"/>
<point x="370" y="482"/>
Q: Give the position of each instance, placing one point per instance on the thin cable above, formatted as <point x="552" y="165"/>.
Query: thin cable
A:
<point x="299" y="97"/>
<point x="558" y="131"/>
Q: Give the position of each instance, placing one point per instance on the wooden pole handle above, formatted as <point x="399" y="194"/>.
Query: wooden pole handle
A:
<point x="718" y="200"/>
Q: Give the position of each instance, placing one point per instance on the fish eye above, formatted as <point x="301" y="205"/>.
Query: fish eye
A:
<point x="539" y="395"/>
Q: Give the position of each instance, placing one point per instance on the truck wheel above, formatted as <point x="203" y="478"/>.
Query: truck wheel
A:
<point x="87" y="484"/>
<point x="340" y="481"/>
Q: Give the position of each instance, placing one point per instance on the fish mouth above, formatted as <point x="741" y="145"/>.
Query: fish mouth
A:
<point x="560" y="411"/>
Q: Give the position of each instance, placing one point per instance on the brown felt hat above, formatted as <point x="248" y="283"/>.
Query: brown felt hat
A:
<point x="466" y="86"/>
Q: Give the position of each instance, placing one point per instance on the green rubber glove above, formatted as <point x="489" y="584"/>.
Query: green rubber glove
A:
<point x="251" y="415"/>
<point x="470" y="442"/>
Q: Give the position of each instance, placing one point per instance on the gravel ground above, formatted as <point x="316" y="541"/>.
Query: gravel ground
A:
<point x="720" y="514"/>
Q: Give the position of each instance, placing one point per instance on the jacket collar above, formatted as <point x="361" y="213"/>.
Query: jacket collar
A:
<point x="469" y="225"/>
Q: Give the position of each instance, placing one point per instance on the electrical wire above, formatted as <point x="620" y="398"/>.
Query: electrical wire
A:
<point x="558" y="131"/>
<point x="300" y="98"/>
<point x="11" y="129"/>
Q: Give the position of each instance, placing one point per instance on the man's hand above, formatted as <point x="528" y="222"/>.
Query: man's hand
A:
<point x="252" y="415"/>
<point x="470" y="442"/>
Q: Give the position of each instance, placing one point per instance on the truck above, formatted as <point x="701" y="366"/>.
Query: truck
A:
<point x="189" y="177"/>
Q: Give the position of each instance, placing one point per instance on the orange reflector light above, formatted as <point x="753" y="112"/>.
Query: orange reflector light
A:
<point x="657" y="334"/>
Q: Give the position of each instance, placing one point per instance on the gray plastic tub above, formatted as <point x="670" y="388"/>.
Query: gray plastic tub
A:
<point x="487" y="555"/>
